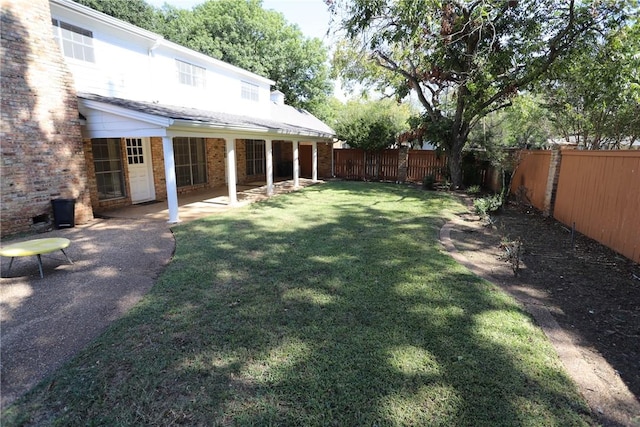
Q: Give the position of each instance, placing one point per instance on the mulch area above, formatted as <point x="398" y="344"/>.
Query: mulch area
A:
<point x="590" y="294"/>
<point x="596" y="290"/>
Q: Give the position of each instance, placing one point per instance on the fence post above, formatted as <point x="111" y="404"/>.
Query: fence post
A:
<point x="552" y="182"/>
<point x="403" y="163"/>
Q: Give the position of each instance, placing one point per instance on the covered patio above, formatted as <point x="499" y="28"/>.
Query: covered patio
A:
<point x="195" y="161"/>
<point x="206" y="202"/>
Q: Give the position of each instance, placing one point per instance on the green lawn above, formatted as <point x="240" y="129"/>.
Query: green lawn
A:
<point x="334" y="305"/>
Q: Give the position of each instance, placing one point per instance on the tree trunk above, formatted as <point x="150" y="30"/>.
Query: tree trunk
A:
<point x="455" y="164"/>
<point x="455" y="170"/>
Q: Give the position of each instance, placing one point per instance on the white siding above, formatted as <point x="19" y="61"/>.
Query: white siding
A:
<point x="128" y="65"/>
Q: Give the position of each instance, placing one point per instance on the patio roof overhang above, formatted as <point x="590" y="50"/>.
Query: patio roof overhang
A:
<point x="108" y="117"/>
<point x="245" y="132"/>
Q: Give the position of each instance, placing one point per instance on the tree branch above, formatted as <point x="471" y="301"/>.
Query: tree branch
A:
<point x="391" y="65"/>
<point x="555" y="49"/>
<point x="478" y="116"/>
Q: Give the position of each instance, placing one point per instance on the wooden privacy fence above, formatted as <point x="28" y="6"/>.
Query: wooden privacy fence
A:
<point x="357" y="164"/>
<point x="599" y="191"/>
<point x="421" y="163"/>
<point x="529" y="181"/>
<point x="387" y="165"/>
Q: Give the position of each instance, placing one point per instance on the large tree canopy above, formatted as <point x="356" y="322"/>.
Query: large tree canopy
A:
<point x="241" y="33"/>
<point x="463" y="59"/>
<point x="136" y="12"/>
<point x="594" y="94"/>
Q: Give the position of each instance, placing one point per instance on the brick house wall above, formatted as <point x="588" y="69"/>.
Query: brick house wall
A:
<point x="216" y="152"/>
<point x="325" y="156"/>
<point x="41" y="153"/>
<point x="241" y="162"/>
<point x="157" y="166"/>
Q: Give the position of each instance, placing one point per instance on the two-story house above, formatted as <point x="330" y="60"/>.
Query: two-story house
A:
<point x="156" y="119"/>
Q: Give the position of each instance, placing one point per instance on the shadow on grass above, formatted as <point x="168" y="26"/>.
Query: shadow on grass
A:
<point x="333" y="306"/>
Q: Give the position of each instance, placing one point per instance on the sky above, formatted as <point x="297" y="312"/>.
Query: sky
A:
<point x="311" y="16"/>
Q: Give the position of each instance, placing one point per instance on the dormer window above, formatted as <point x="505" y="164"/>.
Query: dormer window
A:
<point x="75" y="42"/>
<point x="249" y="91"/>
<point x="189" y="74"/>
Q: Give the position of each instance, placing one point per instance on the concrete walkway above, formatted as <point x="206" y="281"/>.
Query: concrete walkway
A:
<point x="44" y="322"/>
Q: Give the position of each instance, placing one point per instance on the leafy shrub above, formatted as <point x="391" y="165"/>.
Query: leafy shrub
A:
<point x="473" y="189"/>
<point x="428" y="182"/>
<point x="487" y="205"/>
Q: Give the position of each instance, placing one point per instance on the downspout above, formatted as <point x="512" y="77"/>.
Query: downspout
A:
<point x="150" y="55"/>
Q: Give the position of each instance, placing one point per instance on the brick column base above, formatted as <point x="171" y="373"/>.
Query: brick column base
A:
<point x="552" y="183"/>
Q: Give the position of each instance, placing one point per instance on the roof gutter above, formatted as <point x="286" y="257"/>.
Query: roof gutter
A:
<point x="231" y="129"/>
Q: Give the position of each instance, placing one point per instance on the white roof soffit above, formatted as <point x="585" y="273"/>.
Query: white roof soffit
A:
<point x="125" y="112"/>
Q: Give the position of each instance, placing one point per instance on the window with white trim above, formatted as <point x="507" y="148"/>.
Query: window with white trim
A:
<point x="135" y="153"/>
<point x="189" y="74"/>
<point x="190" y="160"/>
<point x="255" y="157"/>
<point x="74" y="41"/>
<point x="249" y="91"/>
<point x="107" y="160"/>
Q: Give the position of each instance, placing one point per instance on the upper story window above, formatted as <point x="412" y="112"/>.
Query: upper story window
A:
<point x="75" y="42"/>
<point x="249" y="91"/>
<point x="189" y="74"/>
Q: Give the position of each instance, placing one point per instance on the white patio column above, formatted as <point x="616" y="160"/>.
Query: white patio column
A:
<point x="170" y="178"/>
<point x="230" y="145"/>
<point x="268" y="147"/>
<point x="296" y="164"/>
<point x="314" y="162"/>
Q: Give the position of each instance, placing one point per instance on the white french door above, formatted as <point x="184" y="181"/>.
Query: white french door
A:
<point x="140" y="170"/>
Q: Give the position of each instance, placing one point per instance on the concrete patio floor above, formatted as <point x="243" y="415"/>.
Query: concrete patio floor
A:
<point x="204" y="202"/>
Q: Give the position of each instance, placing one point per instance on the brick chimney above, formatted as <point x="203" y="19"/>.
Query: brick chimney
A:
<point x="41" y="151"/>
<point x="277" y="97"/>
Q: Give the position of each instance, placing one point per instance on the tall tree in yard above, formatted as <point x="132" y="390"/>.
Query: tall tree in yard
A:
<point x="462" y="59"/>
<point x="371" y="125"/>
<point x="594" y="94"/>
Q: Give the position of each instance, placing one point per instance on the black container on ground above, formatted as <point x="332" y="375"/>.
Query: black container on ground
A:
<point x="64" y="212"/>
